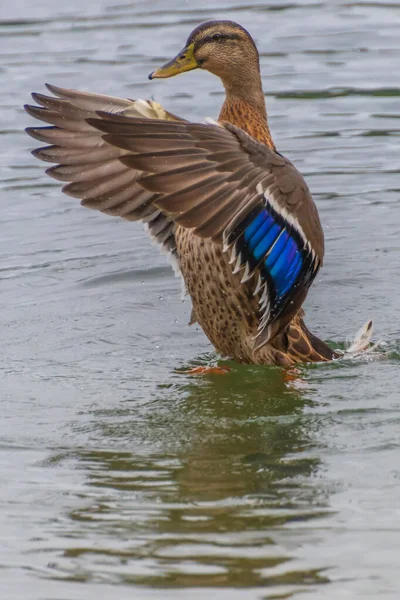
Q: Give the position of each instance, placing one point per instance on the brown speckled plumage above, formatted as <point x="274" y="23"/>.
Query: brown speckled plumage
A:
<point x="194" y="185"/>
<point x="226" y="309"/>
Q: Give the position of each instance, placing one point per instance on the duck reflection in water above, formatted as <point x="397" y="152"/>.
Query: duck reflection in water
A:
<point x="219" y="469"/>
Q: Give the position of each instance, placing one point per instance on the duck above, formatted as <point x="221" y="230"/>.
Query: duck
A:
<point x="234" y="215"/>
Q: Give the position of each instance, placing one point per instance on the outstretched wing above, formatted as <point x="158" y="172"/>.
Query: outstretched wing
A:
<point x="221" y="183"/>
<point x="214" y="179"/>
<point x="90" y="165"/>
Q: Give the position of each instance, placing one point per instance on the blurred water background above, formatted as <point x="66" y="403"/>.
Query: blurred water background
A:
<point x="120" y="478"/>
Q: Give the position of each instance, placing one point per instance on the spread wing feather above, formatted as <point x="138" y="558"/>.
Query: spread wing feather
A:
<point x="134" y="160"/>
<point x="91" y="166"/>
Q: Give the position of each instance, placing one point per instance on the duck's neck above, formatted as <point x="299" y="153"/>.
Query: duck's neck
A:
<point x="244" y="107"/>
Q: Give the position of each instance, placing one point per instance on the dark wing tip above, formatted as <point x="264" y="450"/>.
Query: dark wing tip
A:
<point x="27" y="108"/>
<point x="39" y="133"/>
<point x="40" y="98"/>
<point x="44" y="153"/>
<point x="34" y="111"/>
<point x="36" y="151"/>
<point x="57" y="91"/>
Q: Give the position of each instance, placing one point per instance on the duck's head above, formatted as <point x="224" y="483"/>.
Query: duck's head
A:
<point x="222" y="47"/>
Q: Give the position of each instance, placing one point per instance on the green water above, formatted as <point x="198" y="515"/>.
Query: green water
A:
<point x="119" y="476"/>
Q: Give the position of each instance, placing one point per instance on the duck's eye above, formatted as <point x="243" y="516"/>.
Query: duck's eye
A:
<point x="216" y="37"/>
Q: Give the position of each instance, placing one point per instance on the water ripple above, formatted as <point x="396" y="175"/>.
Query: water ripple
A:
<point x="126" y="476"/>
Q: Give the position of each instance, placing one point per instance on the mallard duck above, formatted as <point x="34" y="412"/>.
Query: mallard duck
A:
<point x="235" y="215"/>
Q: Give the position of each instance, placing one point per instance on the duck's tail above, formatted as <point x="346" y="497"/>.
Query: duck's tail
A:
<point x="319" y="350"/>
<point x="362" y="340"/>
<point x="304" y="346"/>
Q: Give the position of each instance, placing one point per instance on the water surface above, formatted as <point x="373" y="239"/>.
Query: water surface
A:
<point x="122" y="478"/>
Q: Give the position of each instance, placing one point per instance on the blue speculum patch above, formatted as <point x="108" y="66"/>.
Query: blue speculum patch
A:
<point x="277" y="248"/>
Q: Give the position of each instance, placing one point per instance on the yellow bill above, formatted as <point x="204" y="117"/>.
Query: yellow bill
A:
<point x="183" y="61"/>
